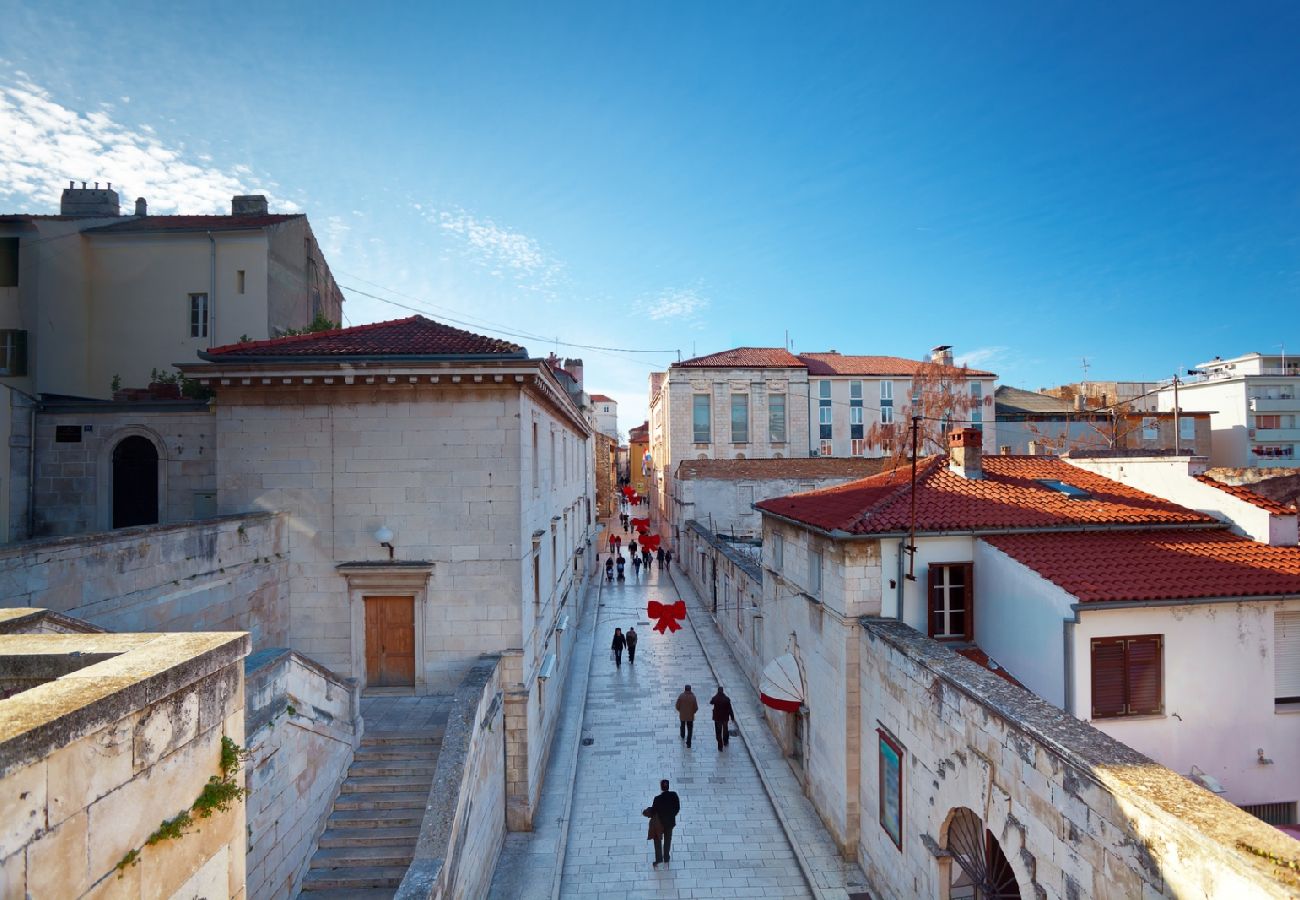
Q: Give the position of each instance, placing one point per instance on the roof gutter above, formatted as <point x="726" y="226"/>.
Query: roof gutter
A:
<point x="359" y="358"/>
<point x="1087" y="606"/>
<point x="839" y="534"/>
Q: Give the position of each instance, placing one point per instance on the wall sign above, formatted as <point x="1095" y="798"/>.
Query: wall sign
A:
<point x="891" y="787"/>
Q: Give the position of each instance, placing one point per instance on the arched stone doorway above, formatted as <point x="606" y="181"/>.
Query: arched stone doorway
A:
<point x="135" y="482"/>
<point x="977" y="867"/>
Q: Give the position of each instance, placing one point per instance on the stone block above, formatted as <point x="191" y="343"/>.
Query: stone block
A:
<point x="164" y="727"/>
<point x="22" y="808"/>
<point x="89" y="768"/>
<point x="57" y="862"/>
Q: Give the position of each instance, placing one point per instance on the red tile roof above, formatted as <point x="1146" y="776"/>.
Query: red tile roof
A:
<point x="1241" y="492"/>
<point x="1155" y="565"/>
<point x="1009" y="496"/>
<point x="191" y="223"/>
<point x="744" y="358"/>
<point x="601" y="398"/>
<point x="979" y="657"/>
<point x="832" y="363"/>
<point x="414" y="336"/>
<point x="792" y="468"/>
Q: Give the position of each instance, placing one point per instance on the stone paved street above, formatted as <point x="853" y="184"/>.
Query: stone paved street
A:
<point x="728" y="842"/>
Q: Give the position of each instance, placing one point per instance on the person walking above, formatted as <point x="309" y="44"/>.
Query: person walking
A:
<point x="636" y="565"/>
<point x="659" y="556"/>
<point x="631" y="548"/>
<point x="619" y="562"/>
<point x="665" y="807"/>
<point x="687" y="706"/>
<point x="645" y="557"/>
<point x="722" y="713"/>
<point x="631" y="644"/>
<point x="668" y="556"/>
<point x="609" y="568"/>
<point x="617" y="646"/>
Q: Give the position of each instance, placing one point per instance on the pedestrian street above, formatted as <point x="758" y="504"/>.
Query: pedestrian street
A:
<point x="728" y="841"/>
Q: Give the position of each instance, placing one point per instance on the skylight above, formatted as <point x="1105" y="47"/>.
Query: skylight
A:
<point x="1069" y="490"/>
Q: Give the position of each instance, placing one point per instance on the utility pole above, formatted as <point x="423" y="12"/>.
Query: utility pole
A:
<point x="911" y="536"/>
<point x="1177" y="445"/>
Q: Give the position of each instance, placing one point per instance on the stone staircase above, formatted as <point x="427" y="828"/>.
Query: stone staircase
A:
<point x="370" y="837"/>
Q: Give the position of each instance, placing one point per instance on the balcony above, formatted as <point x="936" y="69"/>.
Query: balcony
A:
<point x="1260" y="405"/>
<point x="1276" y="435"/>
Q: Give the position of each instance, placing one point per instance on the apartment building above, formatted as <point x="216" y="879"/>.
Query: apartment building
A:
<point x="604" y="413"/>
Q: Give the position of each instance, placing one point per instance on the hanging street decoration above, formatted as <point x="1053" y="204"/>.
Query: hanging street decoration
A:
<point x="667" y="614"/>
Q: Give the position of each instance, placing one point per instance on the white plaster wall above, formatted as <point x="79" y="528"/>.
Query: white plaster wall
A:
<point x="929" y="550"/>
<point x="1227" y="404"/>
<point x="1218" y="683"/>
<point x="718" y="500"/>
<point x="1171" y="478"/>
<point x="1020" y="621"/>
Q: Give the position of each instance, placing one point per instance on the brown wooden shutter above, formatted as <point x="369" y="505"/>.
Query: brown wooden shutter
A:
<point x="968" y="577"/>
<point x="1144" y="675"/>
<point x="1108" y="677"/>
<point x="933" y="602"/>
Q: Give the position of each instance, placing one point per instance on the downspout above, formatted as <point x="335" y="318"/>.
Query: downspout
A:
<point x="898" y="601"/>
<point x="1067" y="635"/>
<point x="31" y="469"/>
<point x="212" y="290"/>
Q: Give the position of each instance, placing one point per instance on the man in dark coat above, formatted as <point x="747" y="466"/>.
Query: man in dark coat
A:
<point x="666" y="806"/>
<point x="619" y="641"/>
<point x="630" y="638"/>
<point x="687" y="707"/>
<point x="722" y="713"/>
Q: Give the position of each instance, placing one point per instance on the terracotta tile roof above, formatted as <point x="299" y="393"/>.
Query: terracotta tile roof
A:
<point x="1016" y="402"/>
<point x="191" y="223"/>
<point x="1009" y="496"/>
<point x="832" y="363"/>
<point x="1155" y="565"/>
<point x="601" y="398"/>
<point x="640" y="434"/>
<point x="979" y="657"/>
<point x="744" y="358"/>
<point x="1241" y="492"/>
<point x="414" y="336"/>
<point x="802" y="467"/>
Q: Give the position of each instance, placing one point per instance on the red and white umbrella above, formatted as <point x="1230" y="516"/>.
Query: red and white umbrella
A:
<point x="782" y="687"/>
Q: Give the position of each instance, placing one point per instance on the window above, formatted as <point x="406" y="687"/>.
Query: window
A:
<point x="1150" y="428"/>
<point x="824" y="411"/>
<point x="1275" y="451"/>
<point x="976" y="416"/>
<point x="700" y="418"/>
<point x="1286" y="657"/>
<point x="535" y="460"/>
<point x="886" y="403"/>
<point x="1126" y="676"/>
<point x="13" y="352"/>
<point x="855" y="411"/>
<point x="1282" y="813"/>
<point x="745" y="497"/>
<point x="9" y="262"/>
<point x="951" y="615"/>
<point x="891" y="787"/>
<point x="552" y="459"/>
<point x="198" y="315"/>
<point x="1186" y="428"/>
<point x="778" y="552"/>
<point x="1268" y="421"/>
<point x="740" y="418"/>
<point x="239" y="281"/>
<point x="67" y="434"/>
<point x="824" y="448"/>
<point x="537" y="575"/>
<point x="859" y="447"/>
<point x="814" y="573"/>
<point x="776" y="418"/>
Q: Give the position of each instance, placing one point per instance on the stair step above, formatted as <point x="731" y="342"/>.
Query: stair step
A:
<point x="367" y="768"/>
<point x="383" y="800"/>
<point x="348" y="894"/>
<point x="368" y="784"/>
<point x="364" y="837"/>
<point x="375" y="818"/>
<point x="363" y="857"/>
<point x="419" y="753"/>
<point x="353" y="879"/>
<point x="401" y="738"/>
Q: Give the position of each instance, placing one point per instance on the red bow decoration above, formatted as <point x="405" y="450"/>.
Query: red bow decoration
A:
<point x="639" y="524"/>
<point x="667" y="614"/>
<point x="649" y="541"/>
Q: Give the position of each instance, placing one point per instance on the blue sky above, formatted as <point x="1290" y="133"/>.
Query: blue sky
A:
<point x="1032" y="183"/>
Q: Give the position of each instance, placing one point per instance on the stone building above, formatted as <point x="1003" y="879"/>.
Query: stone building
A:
<point x="640" y="467"/>
<point x="604" y="411"/>
<point x="440" y="494"/>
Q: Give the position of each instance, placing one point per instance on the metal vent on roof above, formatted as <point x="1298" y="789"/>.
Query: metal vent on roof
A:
<point x="1069" y="490"/>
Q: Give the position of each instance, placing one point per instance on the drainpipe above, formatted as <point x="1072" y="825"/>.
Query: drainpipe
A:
<point x="31" y="469"/>
<point x="1067" y="635"/>
<point x="212" y="290"/>
<point x="898" y="585"/>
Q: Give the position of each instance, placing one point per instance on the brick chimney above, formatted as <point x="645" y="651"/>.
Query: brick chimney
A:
<point x="941" y="355"/>
<point x="965" y="453"/>
<point x="574" y="368"/>
<point x="84" y="201"/>
<point x="248" y="205"/>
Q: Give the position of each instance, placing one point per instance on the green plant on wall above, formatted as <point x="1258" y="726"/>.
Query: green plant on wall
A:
<point x="217" y="796"/>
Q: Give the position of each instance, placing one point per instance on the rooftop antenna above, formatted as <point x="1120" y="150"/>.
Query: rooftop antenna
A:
<point x="1086" y="367"/>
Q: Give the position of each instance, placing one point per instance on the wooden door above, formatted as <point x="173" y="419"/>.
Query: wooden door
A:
<point x="390" y="641"/>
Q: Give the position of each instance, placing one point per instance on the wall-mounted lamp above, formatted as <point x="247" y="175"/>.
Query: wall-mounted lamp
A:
<point x="1263" y="760"/>
<point x="384" y="535"/>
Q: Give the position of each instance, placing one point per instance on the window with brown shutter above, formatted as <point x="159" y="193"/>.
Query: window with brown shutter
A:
<point x="1127" y="676"/>
<point x="951" y="604"/>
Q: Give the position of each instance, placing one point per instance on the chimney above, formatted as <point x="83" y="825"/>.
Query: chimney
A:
<point x="1005" y="450"/>
<point x="248" y="205"/>
<point x="141" y="207"/>
<point x="1080" y="403"/>
<point x="965" y="453"/>
<point x="941" y="355"/>
<point x="84" y="201"/>
<point x="574" y="368"/>
<point x="1033" y="448"/>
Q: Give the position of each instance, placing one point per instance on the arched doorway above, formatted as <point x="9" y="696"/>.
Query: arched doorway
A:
<point x="135" y="482"/>
<point x="979" y="869"/>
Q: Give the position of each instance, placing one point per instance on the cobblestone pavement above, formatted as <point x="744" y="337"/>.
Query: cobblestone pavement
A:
<point x="729" y="841"/>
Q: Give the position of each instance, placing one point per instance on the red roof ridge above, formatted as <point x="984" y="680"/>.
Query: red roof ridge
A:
<point x="287" y="339"/>
<point x="1241" y="492"/>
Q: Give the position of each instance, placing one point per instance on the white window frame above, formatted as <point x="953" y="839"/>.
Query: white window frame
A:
<point x="199" y="314"/>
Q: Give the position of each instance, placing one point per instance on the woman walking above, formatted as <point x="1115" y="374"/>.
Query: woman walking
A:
<point x="617" y="646"/>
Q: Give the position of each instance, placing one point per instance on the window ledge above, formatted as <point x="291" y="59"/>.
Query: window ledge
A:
<point x="1146" y="718"/>
<point x="1286" y="709"/>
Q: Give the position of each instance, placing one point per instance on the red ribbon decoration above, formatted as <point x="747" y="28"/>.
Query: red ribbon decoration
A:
<point x="639" y="524"/>
<point x="667" y="614"/>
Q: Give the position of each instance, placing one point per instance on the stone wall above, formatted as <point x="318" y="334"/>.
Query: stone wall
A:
<point x="739" y="591"/>
<point x="464" y="824"/>
<point x="93" y="762"/>
<point x="1076" y="813"/>
<point x="74" y="478"/>
<point x="226" y="573"/>
<point x="303" y="728"/>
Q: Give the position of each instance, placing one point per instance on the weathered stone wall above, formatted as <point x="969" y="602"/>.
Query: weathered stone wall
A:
<point x="94" y="762"/>
<point x="302" y="727"/>
<point x="227" y="573"/>
<point x="1076" y="813"/>
<point x="739" y="587"/>
<point x="74" y="479"/>
<point x="464" y="824"/>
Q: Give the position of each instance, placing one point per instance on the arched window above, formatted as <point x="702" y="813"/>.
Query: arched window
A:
<point x="980" y="870"/>
<point x="135" y="482"/>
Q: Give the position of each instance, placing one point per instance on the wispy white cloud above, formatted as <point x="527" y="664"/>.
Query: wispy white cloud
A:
<point x="980" y="356"/>
<point x="503" y="252"/>
<point x="43" y="144"/>
<point x="682" y="305"/>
